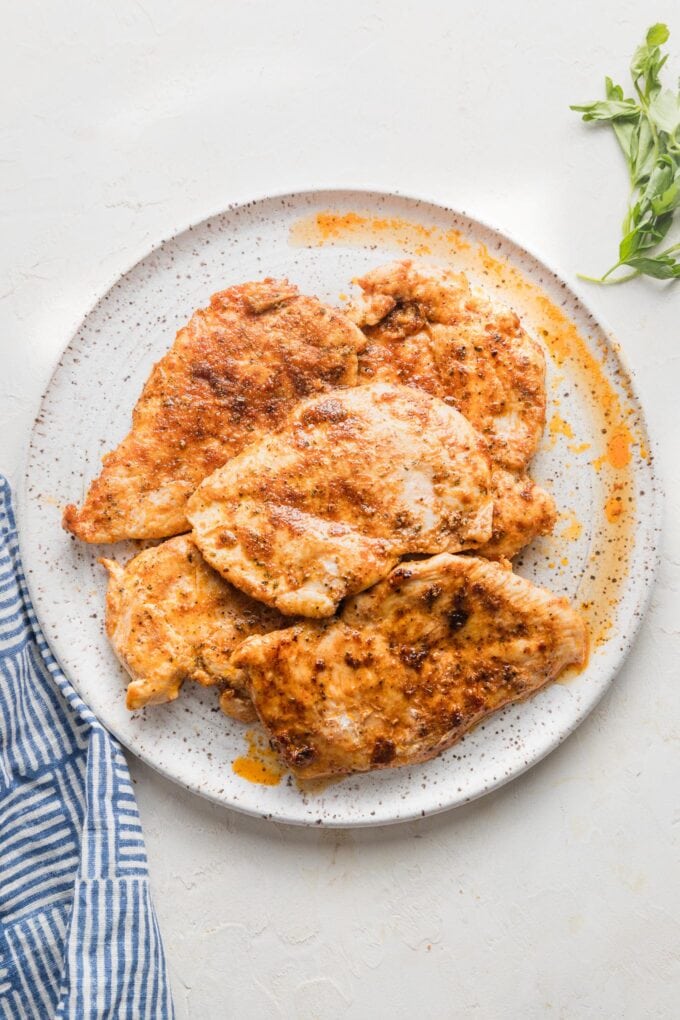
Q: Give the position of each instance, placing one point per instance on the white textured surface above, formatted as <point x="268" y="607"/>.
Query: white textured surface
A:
<point x="557" y="896"/>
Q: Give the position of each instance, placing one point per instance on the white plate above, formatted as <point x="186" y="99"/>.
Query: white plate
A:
<point x="86" y="410"/>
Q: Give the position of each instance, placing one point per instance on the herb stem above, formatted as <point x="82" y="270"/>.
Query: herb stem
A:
<point x="621" y="279"/>
<point x="669" y="251"/>
<point x="606" y="281"/>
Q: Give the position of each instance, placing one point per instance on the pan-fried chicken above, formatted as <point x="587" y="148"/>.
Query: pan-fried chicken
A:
<point x="231" y="375"/>
<point x="326" y="506"/>
<point x="521" y="511"/>
<point x="426" y="327"/>
<point x="409" y="666"/>
<point x="170" y="618"/>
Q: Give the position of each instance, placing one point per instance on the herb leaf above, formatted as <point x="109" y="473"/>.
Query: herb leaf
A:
<point x="663" y="268"/>
<point x="647" y="128"/>
<point x="657" y="35"/>
<point x="609" y="109"/>
<point x="664" y="110"/>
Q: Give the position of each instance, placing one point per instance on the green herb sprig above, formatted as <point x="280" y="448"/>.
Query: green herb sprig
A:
<point x="647" y="128"/>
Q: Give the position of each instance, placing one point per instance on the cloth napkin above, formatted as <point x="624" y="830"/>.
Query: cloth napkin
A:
<point x="78" y="933"/>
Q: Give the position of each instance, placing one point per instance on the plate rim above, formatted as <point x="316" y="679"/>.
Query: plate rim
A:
<point x="654" y="523"/>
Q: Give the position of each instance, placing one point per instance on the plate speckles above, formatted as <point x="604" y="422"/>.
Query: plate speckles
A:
<point x="603" y="552"/>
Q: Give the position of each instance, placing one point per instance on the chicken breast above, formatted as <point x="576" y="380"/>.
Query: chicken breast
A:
<point x="426" y="327"/>
<point x="327" y="506"/>
<point x="170" y="618"/>
<point x="231" y="375"/>
<point x="409" y="666"/>
<point x="521" y="511"/>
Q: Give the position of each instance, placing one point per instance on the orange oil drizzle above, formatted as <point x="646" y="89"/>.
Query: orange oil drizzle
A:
<point x="260" y="764"/>
<point x="572" y="529"/>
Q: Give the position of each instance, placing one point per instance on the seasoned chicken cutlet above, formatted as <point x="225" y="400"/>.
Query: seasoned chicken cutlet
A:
<point x="232" y="374"/>
<point x="426" y="327"/>
<point x="408" y="667"/>
<point x="326" y="506"/>
<point x="170" y="618"/>
<point x="521" y="511"/>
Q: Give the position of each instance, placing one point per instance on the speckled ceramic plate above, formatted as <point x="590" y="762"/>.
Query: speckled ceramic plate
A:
<point x="595" y="458"/>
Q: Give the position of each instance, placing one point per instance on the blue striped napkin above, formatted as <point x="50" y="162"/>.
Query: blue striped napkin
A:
<point x="78" y="933"/>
